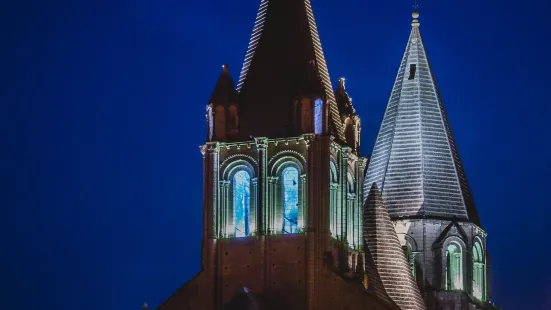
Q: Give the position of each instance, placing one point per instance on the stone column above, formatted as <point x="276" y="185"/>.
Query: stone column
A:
<point x="277" y="215"/>
<point x="262" y="146"/>
<point x="253" y="221"/>
<point x="270" y="209"/>
<point x="224" y="208"/>
<point x="211" y="208"/>
<point x="344" y="192"/>
<point x="303" y="214"/>
<point x="360" y="167"/>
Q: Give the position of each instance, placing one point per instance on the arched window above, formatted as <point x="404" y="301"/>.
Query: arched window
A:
<point x="334" y="206"/>
<point x="478" y="271"/>
<point x="410" y="257"/>
<point x="241" y="203"/>
<point x="290" y="200"/>
<point x="318" y="117"/>
<point x="454" y="267"/>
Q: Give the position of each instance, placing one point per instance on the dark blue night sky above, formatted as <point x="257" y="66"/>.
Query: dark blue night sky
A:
<point x="103" y="110"/>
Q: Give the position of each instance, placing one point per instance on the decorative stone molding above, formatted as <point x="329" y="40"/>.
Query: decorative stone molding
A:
<point x="288" y="153"/>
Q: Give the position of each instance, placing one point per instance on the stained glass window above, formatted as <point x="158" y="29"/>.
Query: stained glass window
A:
<point x="318" y="116"/>
<point x="241" y="203"/>
<point x="478" y="271"/>
<point x="454" y="278"/>
<point x="290" y="200"/>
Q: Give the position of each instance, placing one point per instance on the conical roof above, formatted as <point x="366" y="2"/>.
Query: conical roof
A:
<point x="415" y="161"/>
<point x="284" y="61"/>
<point x="224" y="91"/>
<point x="387" y="254"/>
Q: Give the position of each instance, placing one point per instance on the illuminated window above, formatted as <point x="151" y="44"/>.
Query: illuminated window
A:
<point x="454" y="274"/>
<point x="410" y="257"/>
<point x="318" y="117"/>
<point x="478" y="271"/>
<point x="241" y="203"/>
<point x="335" y="214"/>
<point x="290" y="200"/>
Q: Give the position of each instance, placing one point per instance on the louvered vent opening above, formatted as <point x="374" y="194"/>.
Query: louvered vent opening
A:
<point x="412" y="69"/>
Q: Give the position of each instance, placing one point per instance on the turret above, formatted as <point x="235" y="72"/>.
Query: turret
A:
<point x="223" y="109"/>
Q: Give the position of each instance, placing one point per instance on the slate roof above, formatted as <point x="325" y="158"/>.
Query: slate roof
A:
<point x="224" y="91"/>
<point x="387" y="254"/>
<point x="284" y="60"/>
<point x="415" y="161"/>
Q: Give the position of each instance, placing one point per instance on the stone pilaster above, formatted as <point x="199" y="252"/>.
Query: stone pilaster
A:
<point x="303" y="214"/>
<point x="345" y="151"/>
<point x="253" y="219"/>
<point x="262" y="148"/>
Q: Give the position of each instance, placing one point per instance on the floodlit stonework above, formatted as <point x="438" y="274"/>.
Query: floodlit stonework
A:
<point x="289" y="221"/>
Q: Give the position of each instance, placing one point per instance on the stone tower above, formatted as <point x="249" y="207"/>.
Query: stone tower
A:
<point x="416" y="166"/>
<point x="282" y="181"/>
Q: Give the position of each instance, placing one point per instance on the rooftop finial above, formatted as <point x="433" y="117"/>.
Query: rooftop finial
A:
<point x="341" y="82"/>
<point x="225" y="67"/>
<point x="415" y="16"/>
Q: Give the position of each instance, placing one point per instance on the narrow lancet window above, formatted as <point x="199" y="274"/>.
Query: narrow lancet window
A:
<point x="290" y="200"/>
<point x="478" y="271"/>
<point x="410" y="257"/>
<point x="318" y="117"/>
<point x="241" y="203"/>
<point x="454" y="266"/>
<point x="412" y="69"/>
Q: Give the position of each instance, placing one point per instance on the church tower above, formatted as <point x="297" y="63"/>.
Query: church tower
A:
<point x="416" y="166"/>
<point x="283" y="183"/>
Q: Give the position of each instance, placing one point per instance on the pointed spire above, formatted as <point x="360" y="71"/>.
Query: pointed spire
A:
<point x="224" y="91"/>
<point x="283" y="63"/>
<point x="415" y="161"/>
<point x="344" y="102"/>
<point x="387" y="254"/>
<point x="145" y="306"/>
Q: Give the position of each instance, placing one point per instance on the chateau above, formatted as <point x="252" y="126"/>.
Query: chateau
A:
<point x="295" y="218"/>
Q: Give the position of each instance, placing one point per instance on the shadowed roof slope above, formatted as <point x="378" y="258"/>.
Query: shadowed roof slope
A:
<point x="387" y="254"/>
<point x="415" y="161"/>
<point x="284" y="61"/>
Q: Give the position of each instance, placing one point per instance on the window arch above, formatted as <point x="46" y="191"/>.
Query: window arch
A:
<point x="478" y="270"/>
<point x="289" y="186"/>
<point x="454" y="267"/>
<point x="241" y="203"/>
